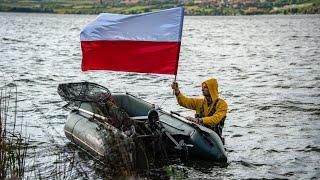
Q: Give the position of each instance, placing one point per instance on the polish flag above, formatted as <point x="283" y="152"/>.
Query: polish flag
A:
<point x="145" y="43"/>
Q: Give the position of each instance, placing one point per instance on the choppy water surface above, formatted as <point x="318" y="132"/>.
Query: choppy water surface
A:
<point x="268" y="68"/>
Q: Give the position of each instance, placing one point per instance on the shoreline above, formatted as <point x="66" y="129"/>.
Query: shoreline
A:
<point x="278" y="14"/>
<point x="77" y="7"/>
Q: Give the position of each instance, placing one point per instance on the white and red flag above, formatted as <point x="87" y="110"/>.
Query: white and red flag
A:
<point x="146" y="43"/>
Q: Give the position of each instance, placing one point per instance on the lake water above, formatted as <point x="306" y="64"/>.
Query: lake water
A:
<point x="268" y="69"/>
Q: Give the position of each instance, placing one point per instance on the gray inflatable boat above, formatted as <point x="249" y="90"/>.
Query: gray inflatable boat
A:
<point x="85" y="130"/>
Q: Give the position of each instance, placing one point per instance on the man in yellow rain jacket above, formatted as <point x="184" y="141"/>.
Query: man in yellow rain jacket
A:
<point x="211" y="111"/>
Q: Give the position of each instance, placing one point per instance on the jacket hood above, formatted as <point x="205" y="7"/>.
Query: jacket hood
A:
<point x="213" y="88"/>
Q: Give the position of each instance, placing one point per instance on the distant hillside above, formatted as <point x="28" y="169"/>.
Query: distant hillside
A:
<point x="192" y="7"/>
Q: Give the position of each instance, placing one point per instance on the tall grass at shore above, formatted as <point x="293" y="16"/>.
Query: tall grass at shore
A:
<point x="13" y="146"/>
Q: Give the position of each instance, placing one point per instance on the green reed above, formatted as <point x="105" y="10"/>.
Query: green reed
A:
<point x="13" y="146"/>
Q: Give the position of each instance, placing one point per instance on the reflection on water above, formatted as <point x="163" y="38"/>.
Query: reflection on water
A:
<point x="267" y="66"/>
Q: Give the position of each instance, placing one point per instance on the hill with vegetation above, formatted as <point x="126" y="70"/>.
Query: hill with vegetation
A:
<point x="192" y="7"/>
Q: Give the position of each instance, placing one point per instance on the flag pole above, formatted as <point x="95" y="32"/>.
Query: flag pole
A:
<point x="180" y="36"/>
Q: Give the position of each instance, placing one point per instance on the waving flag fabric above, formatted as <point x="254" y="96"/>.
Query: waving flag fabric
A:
<point x="146" y="43"/>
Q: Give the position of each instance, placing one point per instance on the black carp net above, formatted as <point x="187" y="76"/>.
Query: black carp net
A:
<point x="83" y="92"/>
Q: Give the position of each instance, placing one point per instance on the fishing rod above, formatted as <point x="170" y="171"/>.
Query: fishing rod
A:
<point x="95" y="118"/>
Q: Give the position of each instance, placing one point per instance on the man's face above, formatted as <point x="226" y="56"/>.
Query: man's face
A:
<point x="205" y="90"/>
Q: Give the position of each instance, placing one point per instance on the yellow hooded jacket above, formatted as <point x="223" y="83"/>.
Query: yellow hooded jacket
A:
<point x="200" y="105"/>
